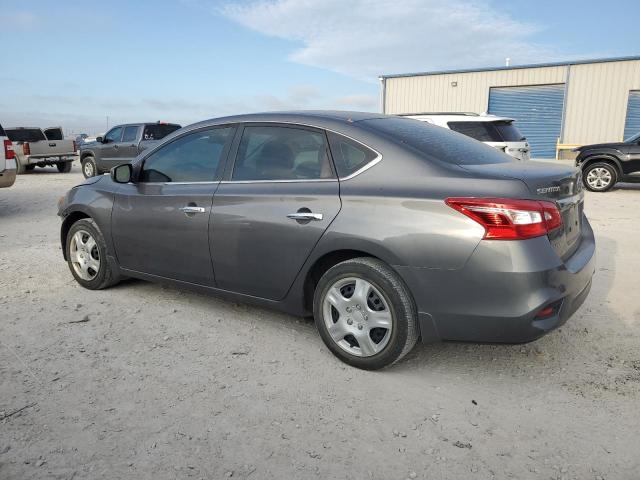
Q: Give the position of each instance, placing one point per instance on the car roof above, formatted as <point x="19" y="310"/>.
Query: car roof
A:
<point x="317" y="118"/>
<point x="459" y="117"/>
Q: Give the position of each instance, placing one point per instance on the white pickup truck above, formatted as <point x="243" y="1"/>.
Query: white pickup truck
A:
<point x="7" y="161"/>
<point x="37" y="147"/>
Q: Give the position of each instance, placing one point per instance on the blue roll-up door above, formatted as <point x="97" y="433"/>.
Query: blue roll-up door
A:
<point x="538" y="113"/>
<point x="632" y="123"/>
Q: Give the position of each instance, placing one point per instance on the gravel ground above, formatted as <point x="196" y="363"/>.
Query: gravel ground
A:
<point x="148" y="382"/>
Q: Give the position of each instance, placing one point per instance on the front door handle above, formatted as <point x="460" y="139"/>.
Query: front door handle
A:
<point x="305" y="216"/>
<point x="189" y="209"/>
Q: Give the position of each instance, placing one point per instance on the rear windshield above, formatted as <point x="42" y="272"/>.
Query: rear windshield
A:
<point x="499" y="131"/>
<point x="25" y="134"/>
<point x="158" y="131"/>
<point x="436" y="142"/>
<point x="54" y="134"/>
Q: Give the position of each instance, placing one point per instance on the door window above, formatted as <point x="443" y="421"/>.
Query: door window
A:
<point x="192" y="158"/>
<point x="281" y="153"/>
<point x="114" y="135"/>
<point x="130" y="134"/>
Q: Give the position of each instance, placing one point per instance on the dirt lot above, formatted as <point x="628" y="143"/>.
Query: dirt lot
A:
<point x="147" y="382"/>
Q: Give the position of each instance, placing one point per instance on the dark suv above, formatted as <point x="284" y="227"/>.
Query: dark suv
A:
<point x="604" y="164"/>
<point x="121" y="145"/>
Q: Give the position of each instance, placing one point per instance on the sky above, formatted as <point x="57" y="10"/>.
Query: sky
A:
<point x="87" y="64"/>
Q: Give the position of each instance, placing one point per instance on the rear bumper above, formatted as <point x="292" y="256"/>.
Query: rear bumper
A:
<point x="501" y="289"/>
<point x="8" y="176"/>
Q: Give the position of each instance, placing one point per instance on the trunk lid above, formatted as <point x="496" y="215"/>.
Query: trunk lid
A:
<point x="546" y="181"/>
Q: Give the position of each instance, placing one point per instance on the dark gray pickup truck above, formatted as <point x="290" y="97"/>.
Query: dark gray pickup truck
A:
<point x="121" y="145"/>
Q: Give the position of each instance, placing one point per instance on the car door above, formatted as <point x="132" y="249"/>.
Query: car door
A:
<point x="109" y="148"/>
<point x="280" y="196"/>
<point x="128" y="147"/>
<point x="160" y="223"/>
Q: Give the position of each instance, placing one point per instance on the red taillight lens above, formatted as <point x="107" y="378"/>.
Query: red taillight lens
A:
<point x="507" y="219"/>
<point x="8" y="150"/>
<point x="26" y="149"/>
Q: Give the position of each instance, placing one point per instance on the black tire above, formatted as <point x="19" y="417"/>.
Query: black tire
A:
<point x="106" y="276"/>
<point x="404" y="332"/>
<point x="20" y="167"/>
<point x="89" y="167"/>
<point x="64" y="167"/>
<point x="595" y="167"/>
<point x="30" y="167"/>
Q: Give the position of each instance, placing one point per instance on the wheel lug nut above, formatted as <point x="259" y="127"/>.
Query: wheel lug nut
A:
<point x="358" y="307"/>
<point x="366" y="317"/>
<point x="359" y="326"/>
<point x="348" y="309"/>
<point x="349" y="321"/>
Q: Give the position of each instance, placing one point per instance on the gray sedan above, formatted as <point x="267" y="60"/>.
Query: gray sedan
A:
<point x="387" y="230"/>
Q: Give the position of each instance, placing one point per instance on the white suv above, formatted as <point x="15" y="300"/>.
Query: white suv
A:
<point x="498" y="132"/>
<point x="7" y="161"/>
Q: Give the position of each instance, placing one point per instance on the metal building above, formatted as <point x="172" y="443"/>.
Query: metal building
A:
<point x="557" y="105"/>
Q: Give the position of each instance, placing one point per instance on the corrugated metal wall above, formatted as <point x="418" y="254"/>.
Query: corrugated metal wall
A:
<point x="596" y="98"/>
<point x="538" y="113"/>
<point x="632" y="123"/>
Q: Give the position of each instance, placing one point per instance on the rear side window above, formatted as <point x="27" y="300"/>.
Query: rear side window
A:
<point x="349" y="155"/>
<point x="281" y="153"/>
<point x="436" y="143"/>
<point x="192" y="158"/>
<point x="130" y="134"/>
<point x="25" y="134"/>
<point x="158" y="130"/>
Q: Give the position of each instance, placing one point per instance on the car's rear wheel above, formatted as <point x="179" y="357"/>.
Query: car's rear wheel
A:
<point x="365" y="313"/>
<point x="87" y="256"/>
<point x="89" y="168"/>
<point x="64" y="167"/>
<point x="20" y="167"/>
<point x="599" y="177"/>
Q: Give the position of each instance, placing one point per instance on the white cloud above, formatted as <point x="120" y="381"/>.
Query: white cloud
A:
<point x="365" y="38"/>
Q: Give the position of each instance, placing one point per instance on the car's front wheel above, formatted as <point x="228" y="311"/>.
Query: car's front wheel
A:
<point x="89" y="168"/>
<point x="365" y="313"/>
<point x="64" y="167"/>
<point x="599" y="177"/>
<point x="87" y="256"/>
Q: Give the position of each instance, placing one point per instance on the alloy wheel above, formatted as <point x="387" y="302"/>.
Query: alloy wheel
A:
<point x="599" y="178"/>
<point x="357" y="316"/>
<point x="84" y="255"/>
<point x="88" y="169"/>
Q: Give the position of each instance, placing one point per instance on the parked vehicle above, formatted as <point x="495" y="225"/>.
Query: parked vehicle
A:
<point x="605" y="164"/>
<point x="7" y="161"/>
<point x="121" y="145"/>
<point x="384" y="228"/>
<point x="497" y="132"/>
<point x="35" y="147"/>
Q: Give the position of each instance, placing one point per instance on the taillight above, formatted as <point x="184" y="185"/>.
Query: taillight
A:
<point x="8" y="150"/>
<point x="26" y="149"/>
<point x="507" y="219"/>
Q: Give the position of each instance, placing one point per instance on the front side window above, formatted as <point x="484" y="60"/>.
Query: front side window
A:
<point x="349" y="155"/>
<point x="114" y="135"/>
<point x="192" y="158"/>
<point x="281" y="153"/>
<point x="130" y="134"/>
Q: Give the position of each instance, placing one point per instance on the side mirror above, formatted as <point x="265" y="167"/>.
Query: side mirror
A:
<point x="122" y="173"/>
<point x="99" y="139"/>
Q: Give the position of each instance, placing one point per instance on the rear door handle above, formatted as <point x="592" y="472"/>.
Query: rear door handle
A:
<point x="305" y="216"/>
<point x="191" y="209"/>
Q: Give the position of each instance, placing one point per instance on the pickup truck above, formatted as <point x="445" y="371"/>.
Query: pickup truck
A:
<point x="7" y="161"/>
<point x="37" y="147"/>
<point x="121" y="145"/>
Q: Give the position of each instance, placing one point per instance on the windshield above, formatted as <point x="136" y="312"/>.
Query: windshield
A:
<point x="498" y="131"/>
<point x="158" y="131"/>
<point x="633" y="139"/>
<point x="436" y="142"/>
<point x="25" y="134"/>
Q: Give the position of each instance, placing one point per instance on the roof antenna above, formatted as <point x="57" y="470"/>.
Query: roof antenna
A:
<point x="507" y="62"/>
